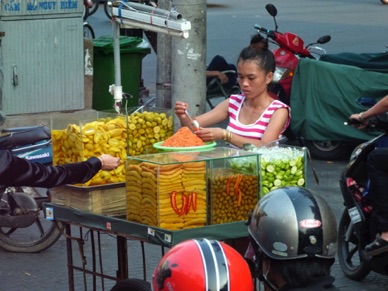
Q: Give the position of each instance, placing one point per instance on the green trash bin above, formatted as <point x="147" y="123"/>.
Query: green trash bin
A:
<point x="132" y="52"/>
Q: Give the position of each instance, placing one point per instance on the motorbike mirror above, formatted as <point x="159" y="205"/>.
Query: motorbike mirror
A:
<point x="2" y="118"/>
<point x="271" y="9"/>
<point x="324" y="39"/>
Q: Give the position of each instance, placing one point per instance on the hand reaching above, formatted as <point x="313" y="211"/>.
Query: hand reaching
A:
<point x="108" y="162"/>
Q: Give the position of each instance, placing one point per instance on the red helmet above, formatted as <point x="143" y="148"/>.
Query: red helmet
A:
<point x="202" y="264"/>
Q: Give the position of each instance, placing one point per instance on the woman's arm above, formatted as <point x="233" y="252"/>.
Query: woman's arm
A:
<point x="216" y="115"/>
<point x="275" y="127"/>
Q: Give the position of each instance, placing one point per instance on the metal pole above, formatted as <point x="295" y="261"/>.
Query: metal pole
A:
<point x="163" y="69"/>
<point x="118" y="89"/>
<point x="188" y="58"/>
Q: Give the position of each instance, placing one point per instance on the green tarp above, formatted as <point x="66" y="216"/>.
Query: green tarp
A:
<point x="377" y="62"/>
<point x="324" y="95"/>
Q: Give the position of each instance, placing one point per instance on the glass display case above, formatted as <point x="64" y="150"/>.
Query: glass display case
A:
<point x="147" y="126"/>
<point x="79" y="136"/>
<point x="280" y="166"/>
<point x="180" y="190"/>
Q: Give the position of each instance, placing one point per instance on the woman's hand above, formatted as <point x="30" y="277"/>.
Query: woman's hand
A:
<point x="180" y="109"/>
<point x="209" y="134"/>
<point x="108" y="162"/>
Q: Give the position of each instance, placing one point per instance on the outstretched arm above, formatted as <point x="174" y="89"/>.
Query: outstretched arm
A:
<point x="15" y="171"/>
<point x="379" y="108"/>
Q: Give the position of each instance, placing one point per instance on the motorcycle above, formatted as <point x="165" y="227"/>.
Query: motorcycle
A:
<point x="356" y="227"/>
<point x="23" y="228"/>
<point x="290" y="50"/>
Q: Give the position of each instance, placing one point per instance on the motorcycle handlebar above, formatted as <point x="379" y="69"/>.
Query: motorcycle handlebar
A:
<point x="269" y="33"/>
<point x="379" y="122"/>
<point x="353" y="122"/>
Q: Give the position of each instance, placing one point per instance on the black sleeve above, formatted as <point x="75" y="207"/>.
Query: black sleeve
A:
<point x="15" y="171"/>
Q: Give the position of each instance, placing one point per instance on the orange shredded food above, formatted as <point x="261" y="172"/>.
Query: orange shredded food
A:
<point x="184" y="137"/>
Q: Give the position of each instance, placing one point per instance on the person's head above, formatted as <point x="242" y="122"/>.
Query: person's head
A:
<point x="255" y="69"/>
<point x="293" y="233"/>
<point x="202" y="264"/>
<point x="259" y="41"/>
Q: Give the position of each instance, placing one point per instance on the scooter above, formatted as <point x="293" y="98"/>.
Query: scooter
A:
<point x="356" y="227"/>
<point x="290" y="49"/>
<point x="23" y="228"/>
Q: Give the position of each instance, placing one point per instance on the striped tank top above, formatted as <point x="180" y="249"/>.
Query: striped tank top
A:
<point x="255" y="130"/>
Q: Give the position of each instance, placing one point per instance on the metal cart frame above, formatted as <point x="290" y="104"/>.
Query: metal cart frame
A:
<point x="122" y="230"/>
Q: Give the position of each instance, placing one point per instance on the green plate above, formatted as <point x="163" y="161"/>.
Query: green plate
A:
<point x="207" y="146"/>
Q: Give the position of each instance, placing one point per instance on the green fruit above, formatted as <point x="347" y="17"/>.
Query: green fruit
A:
<point x="294" y="169"/>
<point x="270" y="168"/>
<point x="277" y="182"/>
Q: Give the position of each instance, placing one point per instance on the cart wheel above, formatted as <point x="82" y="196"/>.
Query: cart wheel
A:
<point x="132" y="285"/>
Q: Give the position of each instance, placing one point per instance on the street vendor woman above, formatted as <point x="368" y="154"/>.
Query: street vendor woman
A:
<point x="16" y="171"/>
<point x="254" y="116"/>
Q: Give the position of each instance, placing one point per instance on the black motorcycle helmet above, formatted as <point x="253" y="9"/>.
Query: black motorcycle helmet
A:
<point x="293" y="223"/>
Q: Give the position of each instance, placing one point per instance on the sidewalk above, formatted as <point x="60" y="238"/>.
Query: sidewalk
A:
<point x="48" y="270"/>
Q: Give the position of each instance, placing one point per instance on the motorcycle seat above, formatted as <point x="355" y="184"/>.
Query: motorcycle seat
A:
<point x="19" y="136"/>
<point x="367" y="102"/>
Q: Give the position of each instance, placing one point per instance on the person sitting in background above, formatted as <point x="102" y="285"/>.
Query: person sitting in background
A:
<point x="217" y="66"/>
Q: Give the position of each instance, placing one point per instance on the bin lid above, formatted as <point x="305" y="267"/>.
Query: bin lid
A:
<point x="130" y="44"/>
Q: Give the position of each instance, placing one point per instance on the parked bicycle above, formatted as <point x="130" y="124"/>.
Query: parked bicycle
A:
<point x="88" y="31"/>
<point x="93" y="6"/>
